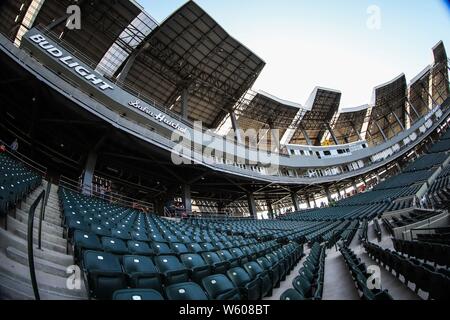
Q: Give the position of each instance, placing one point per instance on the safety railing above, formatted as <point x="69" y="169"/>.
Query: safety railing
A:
<point x="112" y="197"/>
<point x="30" y="238"/>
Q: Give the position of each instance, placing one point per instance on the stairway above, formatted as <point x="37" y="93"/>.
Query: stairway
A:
<point x="338" y="282"/>
<point x="51" y="262"/>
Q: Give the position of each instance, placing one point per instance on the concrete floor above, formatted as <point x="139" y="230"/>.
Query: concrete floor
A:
<point x="338" y="283"/>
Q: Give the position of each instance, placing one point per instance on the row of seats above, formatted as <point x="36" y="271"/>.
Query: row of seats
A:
<point x="348" y="234"/>
<point x="438" y="254"/>
<point x="309" y="284"/>
<point x="377" y="229"/>
<point x="425" y="277"/>
<point x="254" y="279"/>
<point x="362" y="235"/>
<point x="360" y="276"/>
<point x="16" y="182"/>
<point x="440" y="238"/>
<point x="412" y="217"/>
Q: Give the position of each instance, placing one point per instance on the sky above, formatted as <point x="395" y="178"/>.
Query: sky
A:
<point x="349" y="45"/>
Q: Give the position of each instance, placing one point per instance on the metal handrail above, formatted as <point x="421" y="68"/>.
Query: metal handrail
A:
<point x="40" y="198"/>
<point x="73" y="185"/>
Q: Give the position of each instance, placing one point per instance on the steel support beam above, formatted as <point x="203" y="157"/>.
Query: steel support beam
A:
<point x="251" y="205"/>
<point x="305" y="134"/>
<point x="333" y="136"/>
<point x="295" y="201"/>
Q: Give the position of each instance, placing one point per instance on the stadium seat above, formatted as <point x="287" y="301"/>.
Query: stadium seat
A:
<point x="198" y="268"/>
<point x="185" y="291"/>
<point x="162" y="249"/>
<point x="139" y="248"/>
<point x="292" y="294"/>
<point x="104" y="274"/>
<point x="114" y="245"/>
<point x="120" y="234"/>
<point x="249" y="289"/>
<point x="217" y="264"/>
<point x="219" y="287"/>
<point x="256" y="272"/>
<point x="139" y="236"/>
<point x="225" y="255"/>
<point x="85" y="241"/>
<point x="137" y="294"/>
<point x="271" y="269"/>
<point x="142" y="273"/>
<point x="179" y="248"/>
<point x="172" y="269"/>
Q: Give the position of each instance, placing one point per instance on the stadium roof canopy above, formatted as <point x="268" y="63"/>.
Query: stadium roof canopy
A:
<point x="348" y="124"/>
<point x="440" y="89"/>
<point x="258" y="109"/>
<point x="317" y="115"/>
<point x="102" y="24"/>
<point x="191" y="53"/>
<point x="418" y="93"/>
<point x="388" y="111"/>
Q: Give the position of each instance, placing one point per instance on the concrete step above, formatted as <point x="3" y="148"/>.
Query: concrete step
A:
<point x="23" y="217"/>
<point x="49" y="229"/>
<point x="45" y="243"/>
<point x="40" y="264"/>
<point x="9" y="290"/>
<point x="8" y="239"/>
<point x="15" y="283"/>
<point x="14" y="225"/>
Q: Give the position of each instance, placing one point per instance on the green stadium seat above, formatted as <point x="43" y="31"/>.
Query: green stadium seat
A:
<point x="219" y="287"/>
<point x="250" y="289"/>
<point x="185" y="292"/>
<point x="292" y="294"/>
<point x="139" y="248"/>
<point x="162" y="249"/>
<point x="114" y="245"/>
<point x="142" y="273"/>
<point x="217" y="264"/>
<point x="172" y="269"/>
<point x="198" y="268"/>
<point x="104" y="274"/>
<point x="85" y="241"/>
<point x="257" y="272"/>
<point x="137" y="294"/>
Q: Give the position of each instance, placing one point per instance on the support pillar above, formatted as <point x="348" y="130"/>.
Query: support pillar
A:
<point x="381" y="131"/>
<point x="338" y="192"/>
<point x="398" y="120"/>
<point x="333" y="136"/>
<point x="187" y="201"/>
<point x="305" y="134"/>
<point x="252" y="205"/>
<point x="308" y="204"/>
<point x="88" y="173"/>
<point x="358" y="133"/>
<point x="270" y="210"/>
<point x="355" y="186"/>
<point x="295" y="201"/>
<point x="327" y="192"/>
